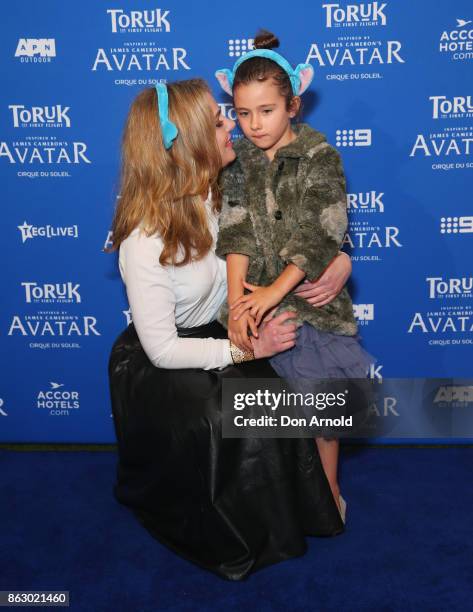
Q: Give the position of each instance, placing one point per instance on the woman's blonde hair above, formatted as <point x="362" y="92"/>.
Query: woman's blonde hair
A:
<point x="163" y="191"/>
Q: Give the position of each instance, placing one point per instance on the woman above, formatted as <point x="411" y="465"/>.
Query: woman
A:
<point x="229" y="505"/>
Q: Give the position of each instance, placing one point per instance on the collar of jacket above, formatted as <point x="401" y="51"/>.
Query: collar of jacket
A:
<point x="302" y="146"/>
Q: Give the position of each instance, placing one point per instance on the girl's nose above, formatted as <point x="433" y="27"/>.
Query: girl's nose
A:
<point x="255" y="123"/>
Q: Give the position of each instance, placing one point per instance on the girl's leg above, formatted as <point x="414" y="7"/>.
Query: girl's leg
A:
<point x="328" y="451"/>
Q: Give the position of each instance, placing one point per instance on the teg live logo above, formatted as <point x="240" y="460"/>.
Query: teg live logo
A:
<point x="154" y="20"/>
<point x="353" y="15"/>
<point x="36" y="49"/>
<point x="28" y="232"/>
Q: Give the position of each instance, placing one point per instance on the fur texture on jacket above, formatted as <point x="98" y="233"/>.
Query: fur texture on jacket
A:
<point x="292" y="209"/>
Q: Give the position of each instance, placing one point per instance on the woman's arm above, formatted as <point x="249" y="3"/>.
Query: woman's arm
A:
<point x="152" y="303"/>
<point x="329" y="284"/>
<point x="276" y="335"/>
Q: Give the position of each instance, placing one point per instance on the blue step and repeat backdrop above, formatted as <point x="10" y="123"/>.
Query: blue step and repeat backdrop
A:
<point x="393" y="91"/>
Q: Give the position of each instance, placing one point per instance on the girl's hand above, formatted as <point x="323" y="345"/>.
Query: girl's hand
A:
<point x="329" y="284"/>
<point x="257" y="303"/>
<point x="276" y="335"/>
<point x="238" y="331"/>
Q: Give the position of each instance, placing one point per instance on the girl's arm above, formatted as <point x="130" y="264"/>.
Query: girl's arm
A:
<point x="262" y="299"/>
<point x="321" y="216"/>
<point x="237" y="268"/>
<point x="318" y="293"/>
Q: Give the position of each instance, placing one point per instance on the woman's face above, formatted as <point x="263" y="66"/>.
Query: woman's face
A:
<point x="223" y="127"/>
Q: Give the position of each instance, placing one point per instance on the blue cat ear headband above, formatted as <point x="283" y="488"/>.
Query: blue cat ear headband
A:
<point x="168" y="128"/>
<point x="301" y="77"/>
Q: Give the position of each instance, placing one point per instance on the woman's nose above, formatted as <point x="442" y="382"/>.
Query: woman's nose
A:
<point x="229" y="124"/>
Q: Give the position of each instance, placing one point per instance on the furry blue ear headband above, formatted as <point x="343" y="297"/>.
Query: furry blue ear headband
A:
<point x="300" y="78"/>
<point x="168" y="128"/>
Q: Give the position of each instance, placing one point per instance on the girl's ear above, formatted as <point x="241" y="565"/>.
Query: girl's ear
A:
<point x="305" y="72"/>
<point x="224" y="77"/>
<point x="295" y="107"/>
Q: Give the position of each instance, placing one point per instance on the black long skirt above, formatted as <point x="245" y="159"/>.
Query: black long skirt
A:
<point x="231" y="506"/>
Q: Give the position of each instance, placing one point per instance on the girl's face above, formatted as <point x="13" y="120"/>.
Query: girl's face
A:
<point x="263" y="116"/>
<point x="223" y="128"/>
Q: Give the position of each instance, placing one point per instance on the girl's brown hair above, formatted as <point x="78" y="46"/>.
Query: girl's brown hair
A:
<point x="163" y="191"/>
<point x="262" y="68"/>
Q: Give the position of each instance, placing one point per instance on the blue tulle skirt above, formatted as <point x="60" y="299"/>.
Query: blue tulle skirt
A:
<point x="322" y="355"/>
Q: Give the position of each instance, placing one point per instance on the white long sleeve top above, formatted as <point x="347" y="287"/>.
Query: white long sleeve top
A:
<point x="163" y="297"/>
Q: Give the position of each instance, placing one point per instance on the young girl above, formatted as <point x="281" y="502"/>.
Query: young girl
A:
<point x="283" y="221"/>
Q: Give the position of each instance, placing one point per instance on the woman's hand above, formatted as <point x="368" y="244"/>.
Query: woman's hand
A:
<point x="275" y="335"/>
<point x="257" y="303"/>
<point x="329" y="284"/>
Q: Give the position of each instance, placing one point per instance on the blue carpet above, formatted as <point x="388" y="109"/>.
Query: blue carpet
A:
<point x="408" y="545"/>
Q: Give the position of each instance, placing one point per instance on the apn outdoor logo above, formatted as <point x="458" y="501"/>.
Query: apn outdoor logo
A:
<point x="363" y="312"/>
<point x="29" y="48"/>
<point x="452" y="394"/>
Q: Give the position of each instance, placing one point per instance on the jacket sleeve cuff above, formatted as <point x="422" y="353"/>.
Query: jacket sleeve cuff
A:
<point x="312" y="269"/>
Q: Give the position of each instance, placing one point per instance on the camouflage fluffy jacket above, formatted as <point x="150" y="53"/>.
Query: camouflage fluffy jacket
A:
<point x="292" y="209"/>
